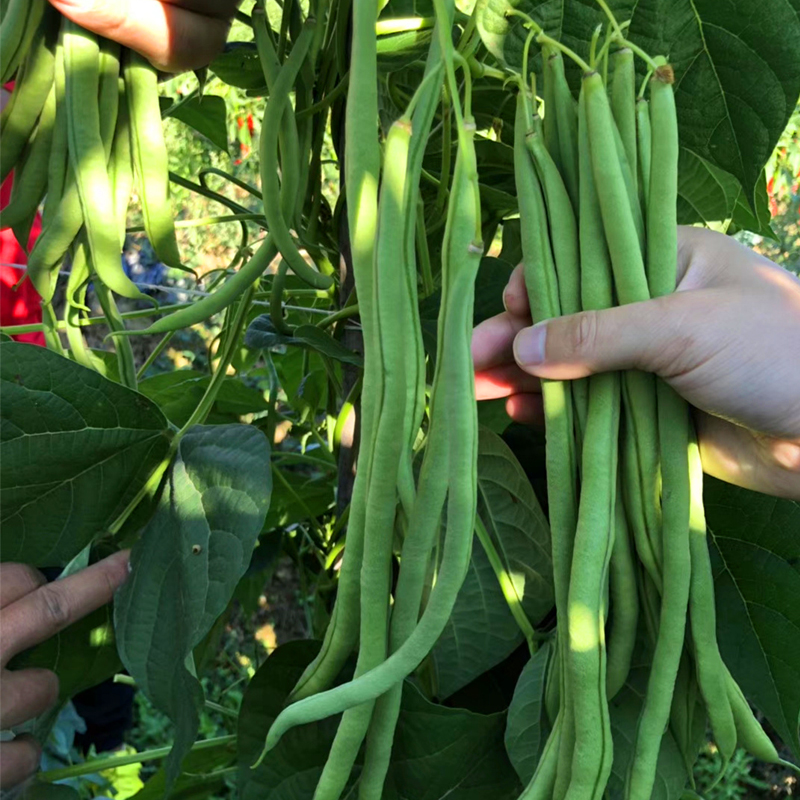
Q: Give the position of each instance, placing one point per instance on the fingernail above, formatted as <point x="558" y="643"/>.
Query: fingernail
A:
<point x="529" y="345"/>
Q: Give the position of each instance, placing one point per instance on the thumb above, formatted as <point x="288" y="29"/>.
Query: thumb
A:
<point x="648" y="336"/>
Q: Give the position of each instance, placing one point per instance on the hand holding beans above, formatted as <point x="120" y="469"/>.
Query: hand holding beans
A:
<point x="174" y="35"/>
<point x="722" y="341"/>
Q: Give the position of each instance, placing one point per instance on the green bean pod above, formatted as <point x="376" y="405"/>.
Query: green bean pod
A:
<point x="643" y="139"/>
<point x="623" y="106"/>
<point x="682" y="713"/>
<point x="703" y="618"/>
<point x="550" y="118"/>
<point x="58" y="161"/>
<point x="362" y="168"/>
<point x="662" y="219"/>
<point x="88" y="159"/>
<point x="150" y="156"/>
<point x="543" y="291"/>
<point x="624" y="604"/>
<point x="463" y="224"/>
<point x="591" y="763"/>
<point x="18" y="28"/>
<point x="108" y="92"/>
<point x="270" y="128"/>
<point x="567" y="116"/>
<point x="751" y="735"/>
<point x="77" y="282"/>
<point x="390" y="298"/>
<point x="673" y="428"/>
<point x="541" y="785"/>
<point x="30" y="178"/>
<point x="120" y="164"/>
<point x="18" y="119"/>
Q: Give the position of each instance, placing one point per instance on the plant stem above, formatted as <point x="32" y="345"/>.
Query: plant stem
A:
<point x="507" y="586"/>
<point x="111" y="762"/>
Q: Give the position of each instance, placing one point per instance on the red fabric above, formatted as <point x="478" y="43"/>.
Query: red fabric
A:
<point x="23" y="306"/>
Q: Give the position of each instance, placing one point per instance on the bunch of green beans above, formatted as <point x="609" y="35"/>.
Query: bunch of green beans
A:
<point x="597" y="190"/>
<point x="387" y="499"/>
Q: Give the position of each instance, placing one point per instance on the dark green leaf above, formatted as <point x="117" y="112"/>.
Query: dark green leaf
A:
<point x="178" y="393"/>
<point x="481" y="631"/>
<point x="736" y="65"/>
<point x="708" y="194"/>
<point x="208" y="116"/>
<point x="262" y="335"/>
<point x="526" y="729"/>
<point x="397" y="50"/>
<point x="49" y="791"/>
<point x="75" y="448"/>
<point x="187" y="564"/>
<point x="291" y="770"/>
<point x="492" y="415"/>
<point x="756" y="552"/>
<point x="451" y="753"/>
<point x="239" y="66"/>
<point x="297" y="497"/>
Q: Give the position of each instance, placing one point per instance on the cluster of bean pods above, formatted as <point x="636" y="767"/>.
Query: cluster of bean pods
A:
<point x="81" y="130"/>
<point x="597" y="189"/>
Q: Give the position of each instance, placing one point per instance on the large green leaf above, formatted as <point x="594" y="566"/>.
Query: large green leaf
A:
<point x="526" y="728"/>
<point x="238" y="65"/>
<point x="297" y="497"/>
<point x="756" y="557"/>
<point x="178" y="393"/>
<point x="207" y="115"/>
<point x="452" y="753"/>
<point x="75" y="448"/>
<point x="187" y="564"/>
<point x="481" y="631"/>
<point x="290" y="770"/>
<point x="737" y="64"/>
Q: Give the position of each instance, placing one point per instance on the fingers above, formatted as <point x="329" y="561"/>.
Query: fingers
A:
<point x="655" y="336"/>
<point x="504" y="381"/>
<point x="18" y="760"/>
<point x="515" y="295"/>
<point x="493" y="340"/>
<point x="172" y="37"/>
<point x="25" y="694"/>
<point x="527" y="409"/>
<point x="17" y="580"/>
<point x="210" y="8"/>
<point x="43" y="613"/>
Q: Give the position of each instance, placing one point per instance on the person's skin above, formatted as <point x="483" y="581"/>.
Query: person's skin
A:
<point x="175" y="35"/>
<point x="728" y="341"/>
<point x="31" y="611"/>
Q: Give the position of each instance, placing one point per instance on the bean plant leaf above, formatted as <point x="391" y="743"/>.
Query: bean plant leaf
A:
<point x="207" y="115"/>
<point x="525" y="732"/>
<point x="238" y="65"/>
<point x="75" y="448"/>
<point x="178" y="393"/>
<point x="736" y="65"/>
<point x="187" y="564"/>
<point x="708" y="194"/>
<point x="262" y="334"/>
<point x="452" y="753"/>
<point x="290" y="770"/>
<point x="481" y="631"/>
<point x="756" y="559"/>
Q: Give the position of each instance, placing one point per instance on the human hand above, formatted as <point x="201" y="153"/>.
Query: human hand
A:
<point x="32" y="610"/>
<point x="728" y="341"/>
<point x="175" y="35"/>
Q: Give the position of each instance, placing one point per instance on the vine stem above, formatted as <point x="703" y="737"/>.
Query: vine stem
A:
<point x="112" y="762"/>
<point x="543" y="38"/>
